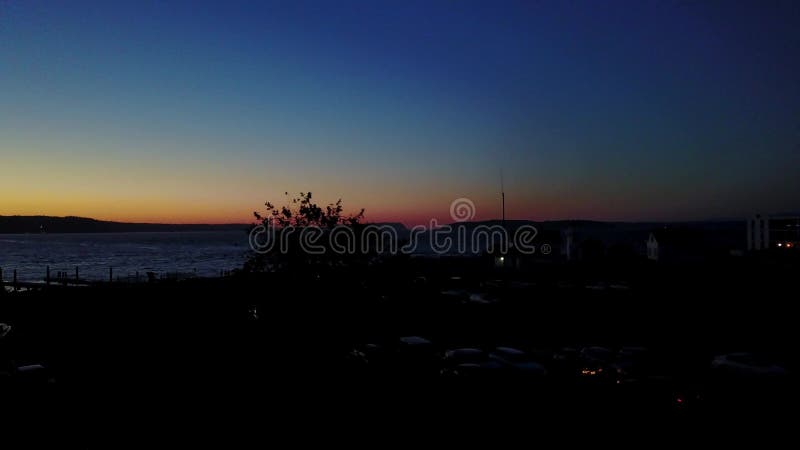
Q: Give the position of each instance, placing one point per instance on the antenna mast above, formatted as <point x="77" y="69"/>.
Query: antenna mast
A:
<point x="503" y="197"/>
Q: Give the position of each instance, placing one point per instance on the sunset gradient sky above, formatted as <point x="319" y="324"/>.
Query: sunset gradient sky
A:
<point x="169" y="111"/>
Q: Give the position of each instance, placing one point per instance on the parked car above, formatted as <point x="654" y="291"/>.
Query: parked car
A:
<point x="33" y="374"/>
<point x="746" y="365"/>
<point x="414" y="344"/>
<point x="595" y="362"/>
<point x="517" y="361"/>
<point x="452" y="359"/>
<point x="415" y="355"/>
<point x="748" y="382"/>
<point x="482" y="370"/>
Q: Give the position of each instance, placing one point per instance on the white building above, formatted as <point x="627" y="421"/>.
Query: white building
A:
<point x="652" y="247"/>
<point x="778" y="232"/>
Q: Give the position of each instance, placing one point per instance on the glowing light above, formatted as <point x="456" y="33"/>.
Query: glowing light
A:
<point x="780" y="244"/>
<point x="788" y="245"/>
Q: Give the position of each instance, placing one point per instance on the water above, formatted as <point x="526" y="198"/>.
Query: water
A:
<point x="204" y="253"/>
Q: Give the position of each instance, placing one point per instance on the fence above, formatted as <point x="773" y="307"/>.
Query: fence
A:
<point x="64" y="278"/>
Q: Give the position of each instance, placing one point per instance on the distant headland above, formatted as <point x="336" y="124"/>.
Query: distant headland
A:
<point x="73" y="224"/>
<point x="50" y="224"/>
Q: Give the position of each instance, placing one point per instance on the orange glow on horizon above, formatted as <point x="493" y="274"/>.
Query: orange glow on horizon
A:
<point x="195" y="200"/>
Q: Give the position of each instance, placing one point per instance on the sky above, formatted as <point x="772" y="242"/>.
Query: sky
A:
<point x="199" y="112"/>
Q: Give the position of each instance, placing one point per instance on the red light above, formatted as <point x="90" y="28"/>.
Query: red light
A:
<point x="679" y="400"/>
<point x="789" y="245"/>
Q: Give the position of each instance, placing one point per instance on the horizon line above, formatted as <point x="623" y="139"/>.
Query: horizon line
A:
<point x="222" y="224"/>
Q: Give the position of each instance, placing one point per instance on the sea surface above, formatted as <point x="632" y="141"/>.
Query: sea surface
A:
<point x="202" y="253"/>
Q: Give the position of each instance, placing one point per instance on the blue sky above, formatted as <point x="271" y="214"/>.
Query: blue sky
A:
<point x="201" y="111"/>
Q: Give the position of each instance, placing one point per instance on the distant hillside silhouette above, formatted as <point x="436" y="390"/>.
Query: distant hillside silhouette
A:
<point x="49" y="224"/>
<point x="71" y="224"/>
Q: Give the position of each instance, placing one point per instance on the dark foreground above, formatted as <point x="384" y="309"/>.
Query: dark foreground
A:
<point x="325" y="345"/>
